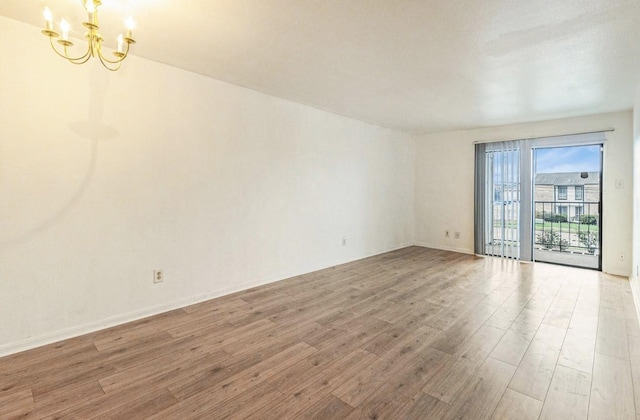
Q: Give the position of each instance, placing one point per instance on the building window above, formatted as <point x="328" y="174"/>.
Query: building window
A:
<point x="562" y="192"/>
<point x="562" y="210"/>
<point x="579" y="193"/>
<point x="497" y="195"/>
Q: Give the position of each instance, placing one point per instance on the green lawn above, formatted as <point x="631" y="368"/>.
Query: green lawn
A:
<point x="566" y="226"/>
<point x="556" y="226"/>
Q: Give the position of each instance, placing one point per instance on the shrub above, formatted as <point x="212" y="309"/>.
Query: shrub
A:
<point x="590" y="240"/>
<point x="555" y="218"/>
<point x="589" y="219"/>
<point x="550" y="239"/>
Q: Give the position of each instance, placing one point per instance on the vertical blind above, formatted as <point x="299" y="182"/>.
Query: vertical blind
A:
<point x="498" y="199"/>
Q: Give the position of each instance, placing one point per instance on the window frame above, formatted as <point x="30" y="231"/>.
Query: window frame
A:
<point x="561" y="196"/>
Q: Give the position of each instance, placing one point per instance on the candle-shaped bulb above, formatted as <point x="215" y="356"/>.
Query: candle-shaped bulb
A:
<point x="65" y="30"/>
<point x="120" y="43"/>
<point x="48" y="19"/>
<point x="130" y="25"/>
<point x="91" y="9"/>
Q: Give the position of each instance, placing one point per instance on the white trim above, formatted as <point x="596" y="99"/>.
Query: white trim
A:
<point x="635" y="292"/>
<point x="445" y="248"/>
<point x="552" y="137"/>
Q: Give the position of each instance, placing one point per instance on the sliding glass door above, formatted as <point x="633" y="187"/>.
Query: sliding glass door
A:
<point x="507" y="215"/>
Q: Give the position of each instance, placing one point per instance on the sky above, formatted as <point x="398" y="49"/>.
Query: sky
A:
<point x="568" y="159"/>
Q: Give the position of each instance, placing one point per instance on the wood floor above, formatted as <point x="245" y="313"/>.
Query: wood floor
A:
<point x="411" y="334"/>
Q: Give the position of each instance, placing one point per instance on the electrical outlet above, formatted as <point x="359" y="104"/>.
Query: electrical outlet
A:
<point x="158" y="276"/>
<point x="456" y="235"/>
<point x="622" y="256"/>
<point x="446" y="233"/>
<point x="344" y="241"/>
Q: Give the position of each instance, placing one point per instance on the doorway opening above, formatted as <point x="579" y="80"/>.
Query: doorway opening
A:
<point x="567" y="205"/>
<point x="540" y="199"/>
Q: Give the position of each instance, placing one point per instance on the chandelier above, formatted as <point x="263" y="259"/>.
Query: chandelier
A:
<point x="94" y="39"/>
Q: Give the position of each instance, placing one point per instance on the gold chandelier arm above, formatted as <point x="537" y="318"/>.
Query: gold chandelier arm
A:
<point x="120" y="59"/>
<point x="77" y="60"/>
<point x="106" y="63"/>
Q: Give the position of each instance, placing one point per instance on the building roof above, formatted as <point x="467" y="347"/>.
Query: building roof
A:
<point x="568" y="178"/>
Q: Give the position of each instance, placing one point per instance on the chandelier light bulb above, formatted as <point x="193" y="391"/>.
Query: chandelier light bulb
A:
<point x="91" y="9"/>
<point x="48" y="19"/>
<point x="130" y="23"/>
<point x="93" y="38"/>
<point x="64" y="25"/>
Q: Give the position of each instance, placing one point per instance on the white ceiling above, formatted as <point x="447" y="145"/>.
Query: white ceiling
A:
<point x="420" y="66"/>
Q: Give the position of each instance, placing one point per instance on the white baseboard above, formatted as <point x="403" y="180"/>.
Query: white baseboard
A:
<point x="64" y="334"/>
<point x="445" y="248"/>
<point x="635" y="292"/>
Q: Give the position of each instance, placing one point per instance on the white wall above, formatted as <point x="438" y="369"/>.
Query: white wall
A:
<point x="635" y="272"/>
<point x="444" y="182"/>
<point x="105" y="177"/>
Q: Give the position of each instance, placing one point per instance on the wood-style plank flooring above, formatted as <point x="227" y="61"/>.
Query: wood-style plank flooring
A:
<point x="412" y="334"/>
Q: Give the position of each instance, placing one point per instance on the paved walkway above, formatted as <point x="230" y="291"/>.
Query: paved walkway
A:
<point x="567" y="258"/>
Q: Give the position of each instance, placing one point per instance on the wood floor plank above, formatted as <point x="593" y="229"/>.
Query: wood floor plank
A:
<point x="169" y="368"/>
<point x="455" y="371"/>
<point x="579" y="344"/>
<point x="536" y="369"/>
<point x="611" y="389"/>
<point x="634" y="355"/>
<point x="365" y="339"/>
<point x="16" y="400"/>
<point x="395" y="393"/>
<point x="220" y="371"/>
<point x="143" y="407"/>
<point x="243" y="405"/>
<point x="64" y="398"/>
<point x="212" y="396"/>
<point x="309" y="370"/>
<point x="612" y="338"/>
<point x="514" y="405"/>
<point x="514" y="343"/>
<point x="422" y="406"/>
<point x="568" y="396"/>
<point x="314" y="391"/>
<point x="454" y="337"/>
<point x="484" y="391"/>
<point x="363" y="384"/>
<point x="330" y="407"/>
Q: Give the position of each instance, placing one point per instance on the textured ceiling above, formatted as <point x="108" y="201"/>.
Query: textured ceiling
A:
<point x="420" y="66"/>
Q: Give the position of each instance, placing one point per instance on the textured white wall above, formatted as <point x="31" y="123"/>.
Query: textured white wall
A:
<point x="105" y="177"/>
<point x="444" y="182"/>
<point x="635" y="271"/>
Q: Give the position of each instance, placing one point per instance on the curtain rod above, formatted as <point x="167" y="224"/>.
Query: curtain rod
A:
<point x="606" y="130"/>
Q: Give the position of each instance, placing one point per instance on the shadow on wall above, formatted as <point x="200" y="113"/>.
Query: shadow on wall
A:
<point x="94" y="130"/>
